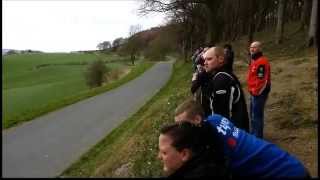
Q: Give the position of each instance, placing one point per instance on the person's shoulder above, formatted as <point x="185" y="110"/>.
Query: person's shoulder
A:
<point x="263" y="59"/>
<point x="266" y="60"/>
<point x="214" y="118"/>
<point x="223" y="76"/>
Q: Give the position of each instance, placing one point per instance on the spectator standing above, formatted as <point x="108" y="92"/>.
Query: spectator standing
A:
<point x="259" y="86"/>
<point x="199" y="61"/>
<point x="229" y="56"/>
<point x="220" y="91"/>
<point x="199" y="68"/>
<point x="194" y="57"/>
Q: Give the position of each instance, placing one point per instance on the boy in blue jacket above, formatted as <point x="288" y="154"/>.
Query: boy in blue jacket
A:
<point x="248" y="155"/>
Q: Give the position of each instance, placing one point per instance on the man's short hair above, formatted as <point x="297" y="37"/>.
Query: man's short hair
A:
<point x="191" y="107"/>
<point x="227" y="46"/>
<point x="258" y="44"/>
<point x="185" y="135"/>
<point x="216" y="51"/>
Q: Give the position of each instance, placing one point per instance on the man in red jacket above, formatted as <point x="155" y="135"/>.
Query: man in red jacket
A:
<point x="259" y="85"/>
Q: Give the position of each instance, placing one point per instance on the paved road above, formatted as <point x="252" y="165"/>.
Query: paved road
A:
<point x="48" y="145"/>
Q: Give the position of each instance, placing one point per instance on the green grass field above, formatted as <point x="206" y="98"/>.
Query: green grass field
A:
<point x="36" y="83"/>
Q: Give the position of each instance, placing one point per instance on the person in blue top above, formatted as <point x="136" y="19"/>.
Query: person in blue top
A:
<point x="248" y="156"/>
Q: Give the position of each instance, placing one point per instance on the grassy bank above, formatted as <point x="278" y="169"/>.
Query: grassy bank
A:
<point x="290" y="114"/>
<point x="34" y="84"/>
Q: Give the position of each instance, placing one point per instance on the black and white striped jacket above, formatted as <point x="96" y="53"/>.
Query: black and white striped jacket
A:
<point x="221" y="93"/>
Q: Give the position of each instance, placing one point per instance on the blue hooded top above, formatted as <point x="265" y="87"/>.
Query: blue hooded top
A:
<point x="252" y="156"/>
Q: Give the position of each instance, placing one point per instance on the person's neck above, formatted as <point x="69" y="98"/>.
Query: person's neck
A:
<point x="255" y="56"/>
<point x="213" y="72"/>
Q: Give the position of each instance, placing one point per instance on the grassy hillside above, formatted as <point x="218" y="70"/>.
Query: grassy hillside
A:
<point x="290" y="114"/>
<point x="36" y="83"/>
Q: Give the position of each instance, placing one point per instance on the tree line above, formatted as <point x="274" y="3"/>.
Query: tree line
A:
<point x="193" y="23"/>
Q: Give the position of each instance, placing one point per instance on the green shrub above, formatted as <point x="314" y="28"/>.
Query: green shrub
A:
<point x="95" y="73"/>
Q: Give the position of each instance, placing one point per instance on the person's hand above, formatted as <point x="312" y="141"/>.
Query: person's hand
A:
<point x="200" y="77"/>
<point x="194" y="76"/>
<point x="200" y="68"/>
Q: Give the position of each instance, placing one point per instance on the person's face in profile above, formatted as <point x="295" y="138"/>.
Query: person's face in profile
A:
<point x="170" y="157"/>
<point x="211" y="62"/>
<point x="254" y="48"/>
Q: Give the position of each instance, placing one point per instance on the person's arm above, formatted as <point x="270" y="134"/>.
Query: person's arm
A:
<point x="232" y="56"/>
<point x="198" y="79"/>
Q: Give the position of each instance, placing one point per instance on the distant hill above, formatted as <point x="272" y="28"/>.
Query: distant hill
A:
<point x="14" y="51"/>
<point x="5" y="51"/>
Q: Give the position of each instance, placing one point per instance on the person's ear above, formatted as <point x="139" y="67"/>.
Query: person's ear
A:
<point x="197" y="119"/>
<point x="221" y="59"/>
<point x="186" y="154"/>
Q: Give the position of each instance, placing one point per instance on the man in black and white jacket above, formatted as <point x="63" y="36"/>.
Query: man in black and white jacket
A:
<point x="220" y="89"/>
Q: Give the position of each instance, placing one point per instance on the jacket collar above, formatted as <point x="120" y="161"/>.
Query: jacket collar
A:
<point x="256" y="55"/>
<point x="222" y="69"/>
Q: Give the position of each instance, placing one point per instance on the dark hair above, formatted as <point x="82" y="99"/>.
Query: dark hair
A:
<point x="228" y="56"/>
<point x="227" y="46"/>
<point x="185" y="135"/>
<point x="210" y="45"/>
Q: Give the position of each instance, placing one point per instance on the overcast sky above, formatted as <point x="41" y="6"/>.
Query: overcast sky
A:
<point x="69" y="25"/>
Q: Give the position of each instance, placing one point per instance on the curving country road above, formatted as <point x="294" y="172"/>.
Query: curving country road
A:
<point x="49" y="144"/>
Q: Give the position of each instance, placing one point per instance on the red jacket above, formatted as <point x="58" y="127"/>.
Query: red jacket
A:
<point x="258" y="76"/>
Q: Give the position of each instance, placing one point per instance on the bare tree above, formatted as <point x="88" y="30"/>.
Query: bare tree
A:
<point x="251" y="19"/>
<point x="184" y="6"/>
<point x="225" y="20"/>
<point x="313" y="24"/>
<point x="116" y="43"/>
<point x="305" y="16"/>
<point x="134" y="41"/>
<point x="104" y="45"/>
<point x="134" y="29"/>
<point x="280" y="24"/>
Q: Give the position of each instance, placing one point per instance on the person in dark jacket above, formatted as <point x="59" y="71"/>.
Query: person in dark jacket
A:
<point x="229" y="56"/>
<point x="185" y="152"/>
<point x="194" y="58"/>
<point x="247" y="155"/>
<point x="220" y="90"/>
<point x="199" y="61"/>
